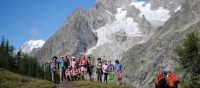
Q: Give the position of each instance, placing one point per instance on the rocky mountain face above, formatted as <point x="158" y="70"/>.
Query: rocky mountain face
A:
<point x="78" y="34"/>
<point x="143" y="61"/>
<point x="141" y="35"/>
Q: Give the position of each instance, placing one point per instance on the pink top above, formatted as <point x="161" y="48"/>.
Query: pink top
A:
<point x="84" y="62"/>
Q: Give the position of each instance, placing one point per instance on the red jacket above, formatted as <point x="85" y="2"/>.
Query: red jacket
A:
<point x="158" y="78"/>
<point x="174" y="78"/>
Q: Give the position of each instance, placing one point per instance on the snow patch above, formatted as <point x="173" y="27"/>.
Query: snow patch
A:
<point x="121" y="23"/>
<point x="28" y="46"/>
<point x="109" y="12"/>
<point x="177" y="9"/>
<point x="159" y="15"/>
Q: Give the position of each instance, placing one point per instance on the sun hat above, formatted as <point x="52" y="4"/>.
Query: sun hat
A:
<point x="55" y="57"/>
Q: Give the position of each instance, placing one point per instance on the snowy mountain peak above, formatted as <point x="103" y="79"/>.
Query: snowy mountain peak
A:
<point x="28" y="46"/>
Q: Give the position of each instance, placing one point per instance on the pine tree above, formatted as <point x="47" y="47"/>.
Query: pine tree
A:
<point x="7" y="57"/>
<point x="189" y="57"/>
<point x="40" y="71"/>
<point x="18" y="60"/>
<point x="2" y="47"/>
<point x="47" y="73"/>
<point x="24" y="65"/>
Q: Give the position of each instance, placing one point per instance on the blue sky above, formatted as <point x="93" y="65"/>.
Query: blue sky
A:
<point x="23" y="20"/>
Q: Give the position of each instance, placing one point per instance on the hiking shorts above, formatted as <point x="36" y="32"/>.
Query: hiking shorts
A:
<point x="118" y="75"/>
<point x="61" y="69"/>
<point x="52" y="70"/>
<point x="84" y="69"/>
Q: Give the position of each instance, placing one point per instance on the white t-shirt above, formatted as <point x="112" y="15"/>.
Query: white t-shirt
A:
<point x="73" y="63"/>
<point x="105" y="68"/>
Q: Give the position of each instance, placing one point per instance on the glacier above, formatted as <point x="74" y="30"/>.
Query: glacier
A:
<point x="28" y="46"/>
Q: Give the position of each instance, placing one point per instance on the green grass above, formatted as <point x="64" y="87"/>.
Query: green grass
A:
<point x="88" y="84"/>
<point x="13" y="80"/>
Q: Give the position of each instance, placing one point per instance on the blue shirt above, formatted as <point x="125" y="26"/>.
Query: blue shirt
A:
<point x="62" y="63"/>
<point x="117" y="67"/>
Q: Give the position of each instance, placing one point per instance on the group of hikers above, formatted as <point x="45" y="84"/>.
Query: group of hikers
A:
<point x="77" y="69"/>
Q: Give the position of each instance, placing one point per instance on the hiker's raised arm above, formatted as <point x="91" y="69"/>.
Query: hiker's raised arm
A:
<point x="46" y="62"/>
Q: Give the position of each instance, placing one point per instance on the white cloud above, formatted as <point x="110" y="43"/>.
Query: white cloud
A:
<point x="34" y="32"/>
<point x="65" y="9"/>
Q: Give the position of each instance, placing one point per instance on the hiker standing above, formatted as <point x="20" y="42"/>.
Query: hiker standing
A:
<point x="61" y="64"/>
<point x="67" y="63"/>
<point x="83" y="64"/>
<point x="52" y="64"/>
<point x="118" y="71"/>
<point x="110" y="72"/>
<point x="99" y="70"/>
<point x="105" y="71"/>
<point x="73" y="62"/>
<point x="78" y="62"/>
<point x="90" y="69"/>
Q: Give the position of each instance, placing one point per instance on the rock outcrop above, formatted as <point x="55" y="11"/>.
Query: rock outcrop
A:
<point x="142" y="62"/>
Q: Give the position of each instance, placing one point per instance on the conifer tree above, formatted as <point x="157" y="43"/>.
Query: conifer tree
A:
<point x="2" y="47"/>
<point x="188" y="58"/>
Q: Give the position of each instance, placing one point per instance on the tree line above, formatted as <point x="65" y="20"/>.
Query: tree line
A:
<point x="21" y="63"/>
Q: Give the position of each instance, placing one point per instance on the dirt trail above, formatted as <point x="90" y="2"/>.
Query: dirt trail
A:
<point x="68" y="84"/>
